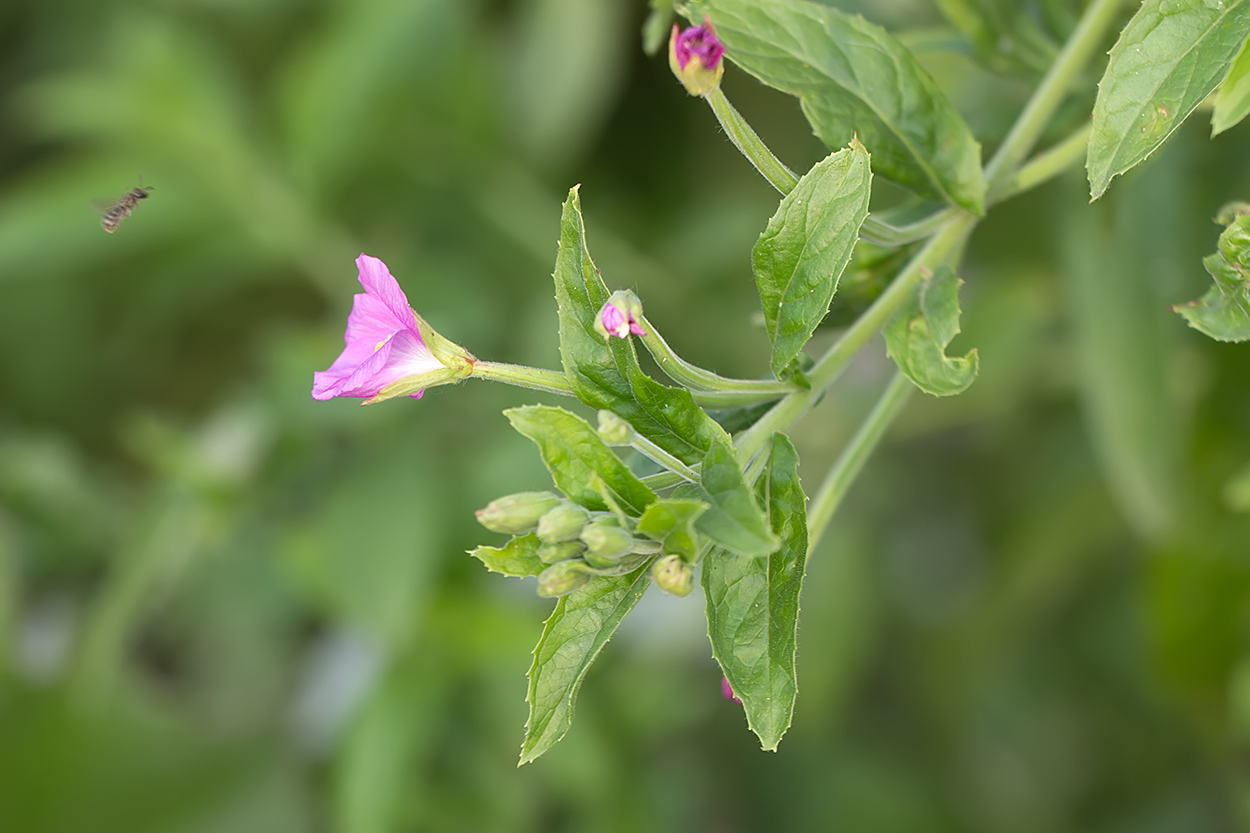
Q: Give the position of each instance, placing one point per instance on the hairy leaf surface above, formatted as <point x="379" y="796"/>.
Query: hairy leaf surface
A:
<point x="573" y="636"/>
<point x="518" y="557"/>
<point x="1169" y="57"/>
<point x="753" y="604"/>
<point x="574" y="454"/>
<point x="801" y="254"/>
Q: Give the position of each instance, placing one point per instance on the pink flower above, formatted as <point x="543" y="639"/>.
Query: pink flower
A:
<point x="698" y="42"/>
<point x="618" y="322"/>
<point x="383" y="342"/>
<point x="727" y="691"/>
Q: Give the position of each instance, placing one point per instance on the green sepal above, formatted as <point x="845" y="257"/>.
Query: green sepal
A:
<point x="753" y="604"/>
<point x="670" y="521"/>
<point x="574" y="634"/>
<point x="519" y="557"/>
<point x="917" y="336"/>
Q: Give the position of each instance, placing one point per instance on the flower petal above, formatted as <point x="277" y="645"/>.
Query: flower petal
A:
<point x="403" y="355"/>
<point x="378" y="282"/>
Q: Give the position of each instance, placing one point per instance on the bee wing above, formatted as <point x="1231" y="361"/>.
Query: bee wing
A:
<point x="102" y="206"/>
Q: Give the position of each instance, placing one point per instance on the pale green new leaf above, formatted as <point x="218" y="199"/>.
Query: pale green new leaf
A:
<point x="1224" y="312"/>
<point x="917" y="335"/>
<point x="1232" y="103"/>
<point x="753" y="604"/>
<point x="1169" y="57"/>
<point x="801" y="254"/>
<point x="854" y="78"/>
<point x="579" y="627"/>
<point x="574" y="455"/>
<point x="518" y="557"/>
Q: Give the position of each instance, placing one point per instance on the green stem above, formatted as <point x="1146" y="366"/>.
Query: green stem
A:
<point x="1083" y="44"/>
<point x="853" y="457"/>
<point x="941" y="248"/>
<point x="1047" y="164"/>
<point x="884" y="234"/>
<point x="553" y="381"/>
<point x="662" y="480"/>
<point x="659" y="455"/>
<point x="696" y="378"/>
<point x="534" y="378"/>
<point x="783" y="179"/>
<point x="746" y="140"/>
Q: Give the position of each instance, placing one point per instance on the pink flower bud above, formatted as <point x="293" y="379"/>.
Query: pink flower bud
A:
<point x="727" y="691"/>
<point x="694" y="54"/>
<point x="619" y="316"/>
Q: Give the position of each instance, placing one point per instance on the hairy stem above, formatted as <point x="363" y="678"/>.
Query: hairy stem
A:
<point x="1050" y="93"/>
<point x="696" y="378"/>
<point x="783" y="179"/>
<point x="853" y="457"/>
<point x="1047" y="164"/>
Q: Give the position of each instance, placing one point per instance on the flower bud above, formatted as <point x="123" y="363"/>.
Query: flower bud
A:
<point x="551" y="553"/>
<point x="517" y="514"/>
<point x="563" y="523"/>
<point x="605" y="542"/>
<point x="613" y="430"/>
<point x="561" y="578"/>
<point x="673" y="575"/>
<point x="620" y="316"/>
<point x="694" y="55"/>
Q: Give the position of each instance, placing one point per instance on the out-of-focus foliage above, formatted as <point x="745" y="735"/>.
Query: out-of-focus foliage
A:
<point x="224" y="607"/>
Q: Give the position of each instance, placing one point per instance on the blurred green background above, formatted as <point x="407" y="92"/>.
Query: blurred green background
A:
<point x="225" y="607"/>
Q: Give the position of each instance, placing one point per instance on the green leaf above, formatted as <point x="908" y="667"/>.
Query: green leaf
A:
<point x="854" y="78"/>
<point x="574" y="455"/>
<point x="1224" y="312"/>
<point x="917" y="335"/>
<point x="518" y="557"/>
<point x="670" y="521"/>
<point x="735" y="520"/>
<point x="801" y="254"/>
<point x="1233" y="101"/>
<point x="753" y="604"/>
<point x="573" y="636"/>
<point x="1169" y="57"/>
<point x="607" y="375"/>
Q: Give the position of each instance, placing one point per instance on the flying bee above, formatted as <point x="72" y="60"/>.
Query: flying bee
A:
<point x="120" y="210"/>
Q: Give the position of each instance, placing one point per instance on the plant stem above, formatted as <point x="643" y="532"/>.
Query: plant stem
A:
<point x="534" y="378"/>
<point x="662" y="480"/>
<point x="788" y="411"/>
<point x="853" y="457"/>
<point x="783" y="179"/>
<point x="1047" y="164"/>
<point x="697" y="378"/>
<point x="1036" y="115"/>
<point x="649" y="449"/>
<point x="554" y="381"/>
<point x="746" y="140"/>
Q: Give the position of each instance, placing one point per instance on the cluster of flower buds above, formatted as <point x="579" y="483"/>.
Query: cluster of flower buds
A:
<point x="577" y="544"/>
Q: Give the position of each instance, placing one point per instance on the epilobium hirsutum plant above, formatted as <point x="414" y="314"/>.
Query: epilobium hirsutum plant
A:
<point x="724" y="504"/>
